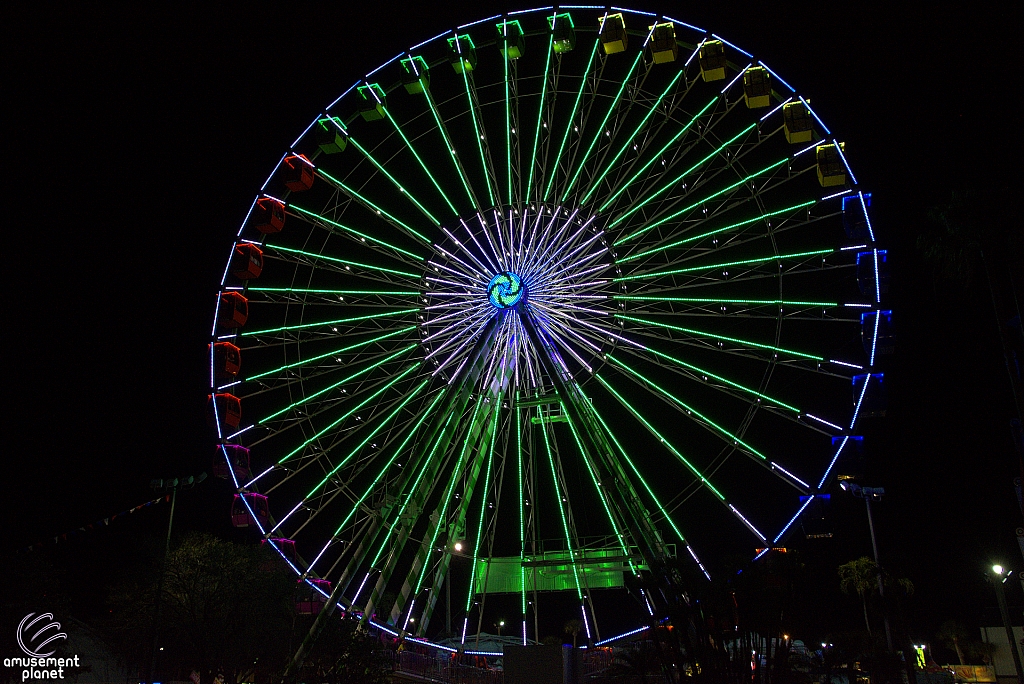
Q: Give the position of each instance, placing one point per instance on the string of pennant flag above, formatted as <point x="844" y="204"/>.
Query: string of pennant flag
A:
<point x="99" y="524"/>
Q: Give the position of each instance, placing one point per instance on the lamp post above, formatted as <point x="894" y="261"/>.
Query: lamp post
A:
<point x="457" y="547"/>
<point x="997" y="578"/>
<point x="164" y="486"/>
<point x="869" y="493"/>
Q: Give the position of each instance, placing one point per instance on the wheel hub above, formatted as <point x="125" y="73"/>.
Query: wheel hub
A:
<point x="506" y="290"/>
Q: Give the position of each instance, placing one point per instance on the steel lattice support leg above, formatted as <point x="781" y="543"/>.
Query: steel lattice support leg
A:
<point x="442" y="436"/>
<point x="597" y="447"/>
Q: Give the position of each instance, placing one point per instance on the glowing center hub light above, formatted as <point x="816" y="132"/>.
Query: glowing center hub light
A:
<point x="505" y="290"/>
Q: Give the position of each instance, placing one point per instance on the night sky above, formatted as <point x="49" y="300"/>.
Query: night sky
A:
<point x="136" y="142"/>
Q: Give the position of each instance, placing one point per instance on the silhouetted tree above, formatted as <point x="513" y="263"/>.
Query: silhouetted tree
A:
<point x="859" y="577"/>
<point x="226" y="606"/>
<point x="574" y="627"/>
<point x="345" y="653"/>
<point x="954" y="635"/>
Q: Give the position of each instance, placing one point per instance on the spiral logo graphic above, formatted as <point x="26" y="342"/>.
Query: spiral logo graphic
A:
<point x="36" y="632"/>
<point x="505" y="290"/>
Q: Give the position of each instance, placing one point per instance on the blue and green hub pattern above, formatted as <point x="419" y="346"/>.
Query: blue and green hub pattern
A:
<point x="505" y="290"/>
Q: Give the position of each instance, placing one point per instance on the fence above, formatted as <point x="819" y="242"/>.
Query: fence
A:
<point x="443" y="667"/>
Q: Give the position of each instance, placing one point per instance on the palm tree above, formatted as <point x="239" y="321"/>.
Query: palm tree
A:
<point x="574" y="627"/>
<point x="952" y="634"/>
<point x="861" y="577"/>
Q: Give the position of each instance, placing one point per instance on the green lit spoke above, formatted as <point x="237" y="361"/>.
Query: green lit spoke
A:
<point x="342" y="350"/>
<point x="304" y="290"/>
<point x="691" y="411"/>
<point x="572" y="118"/>
<point x="412" y="491"/>
<point x="622" y="149"/>
<point x="716" y="231"/>
<point x="376" y="430"/>
<point x="600" y="493"/>
<point x="668" y="445"/>
<point x="483" y="508"/>
<point x="561" y="508"/>
<point x="678" y="179"/>
<point x="335" y="322"/>
<point x="394" y="181"/>
<point x="343" y="262"/>
<point x="398" y="452"/>
<point x="359" y="373"/>
<point x="640" y="477"/>
<point x="348" y="413"/>
<point x="508" y="118"/>
<point x="727" y="189"/>
<point x="522" y="512"/>
<point x="701" y="333"/>
<point x="363" y="237"/>
<point x="601" y="128"/>
<point x="718" y="300"/>
<point x="478" y="135"/>
<point x="540" y="117"/>
<point x="451" y="150"/>
<point x="443" y="513"/>
<point x="343" y="487"/>
<point x="679" y="134"/>
<point x="423" y="166"/>
<point x="712" y="267"/>
<point x="708" y="374"/>
<point x="373" y="207"/>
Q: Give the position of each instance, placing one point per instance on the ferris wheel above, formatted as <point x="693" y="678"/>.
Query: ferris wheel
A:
<point x="537" y="307"/>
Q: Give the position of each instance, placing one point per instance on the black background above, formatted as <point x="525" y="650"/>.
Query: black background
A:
<point x="135" y="141"/>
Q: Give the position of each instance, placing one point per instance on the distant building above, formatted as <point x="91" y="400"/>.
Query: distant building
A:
<point x="994" y="633"/>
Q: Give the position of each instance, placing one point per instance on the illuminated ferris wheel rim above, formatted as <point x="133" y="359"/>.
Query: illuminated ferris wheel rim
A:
<point x="475" y="282"/>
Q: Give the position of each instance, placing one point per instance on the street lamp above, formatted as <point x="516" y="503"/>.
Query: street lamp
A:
<point x="171" y="486"/>
<point x="869" y="493"/>
<point x="457" y="547"/>
<point x="997" y="578"/>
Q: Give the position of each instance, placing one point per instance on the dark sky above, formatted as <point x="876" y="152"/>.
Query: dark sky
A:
<point x="136" y="142"/>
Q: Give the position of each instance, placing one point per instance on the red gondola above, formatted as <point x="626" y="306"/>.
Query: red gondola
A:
<point x="227" y="360"/>
<point x="298" y="173"/>
<point x="240" y="515"/>
<point x="229" y="410"/>
<point x="231" y="457"/>
<point x="247" y="261"/>
<point x="310" y="600"/>
<point x="268" y="215"/>
<point x="233" y="311"/>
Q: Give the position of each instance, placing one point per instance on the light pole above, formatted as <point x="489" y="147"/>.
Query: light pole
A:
<point x="997" y="578"/>
<point x="869" y="493"/>
<point x="163" y="486"/>
<point x="457" y="546"/>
